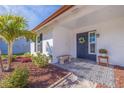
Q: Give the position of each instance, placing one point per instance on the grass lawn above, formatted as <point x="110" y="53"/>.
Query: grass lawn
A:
<point x="14" y="55"/>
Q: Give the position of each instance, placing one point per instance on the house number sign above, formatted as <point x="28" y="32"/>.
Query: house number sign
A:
<point x="81" y="40"/>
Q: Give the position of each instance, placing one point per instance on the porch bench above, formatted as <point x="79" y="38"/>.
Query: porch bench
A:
<point x="64" y="58"/>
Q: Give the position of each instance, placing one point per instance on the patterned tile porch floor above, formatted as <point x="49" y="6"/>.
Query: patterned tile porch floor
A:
<point x="89" y="70"/>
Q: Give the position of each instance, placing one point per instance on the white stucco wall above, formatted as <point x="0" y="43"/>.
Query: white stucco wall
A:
<point x="47" y="42"/>
<point x="109" y="23"/>
<point x="32" y="47"/>
<point x="111" y="38"/>
<point x="60" y="42"/>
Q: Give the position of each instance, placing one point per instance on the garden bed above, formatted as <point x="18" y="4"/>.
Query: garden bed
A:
<point x="119" y="76"/>
<point x="40" y="77"/>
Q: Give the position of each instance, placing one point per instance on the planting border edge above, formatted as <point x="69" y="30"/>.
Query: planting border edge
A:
<point x="60" y="80"/>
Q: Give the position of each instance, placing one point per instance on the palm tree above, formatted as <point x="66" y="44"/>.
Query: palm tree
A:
<point x="12" y="28"/>
<point x="1" y="63"/>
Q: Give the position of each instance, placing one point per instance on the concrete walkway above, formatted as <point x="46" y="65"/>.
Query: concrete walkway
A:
<point x="89" y="70"/>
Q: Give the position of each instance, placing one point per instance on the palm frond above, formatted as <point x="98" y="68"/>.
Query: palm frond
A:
<point x="13" y="27"/>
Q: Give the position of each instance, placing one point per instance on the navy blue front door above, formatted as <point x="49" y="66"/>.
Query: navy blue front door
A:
<point x="82" y="47"/>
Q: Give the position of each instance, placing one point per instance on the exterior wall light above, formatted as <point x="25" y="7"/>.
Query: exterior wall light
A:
<point x="97" y="35"/>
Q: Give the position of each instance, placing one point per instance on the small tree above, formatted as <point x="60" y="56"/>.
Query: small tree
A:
<point x="12" y="28"/>
<point x="1" y="65"/>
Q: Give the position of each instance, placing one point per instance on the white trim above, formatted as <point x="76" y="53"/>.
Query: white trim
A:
<point x="94" y="31"/>
<point x="37" y="43"/>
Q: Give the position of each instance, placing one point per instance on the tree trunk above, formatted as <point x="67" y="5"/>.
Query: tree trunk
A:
<point x="10" y="47"/>
<point x="1" y="64"/>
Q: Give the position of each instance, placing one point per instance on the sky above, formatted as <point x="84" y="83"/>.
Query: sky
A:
<point x="34" y="14"/>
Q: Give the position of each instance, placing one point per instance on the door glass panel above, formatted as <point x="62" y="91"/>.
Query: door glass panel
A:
<point x="92" y="42"/>
<point x="92" y="48"/>
<point x="92" y="37"/>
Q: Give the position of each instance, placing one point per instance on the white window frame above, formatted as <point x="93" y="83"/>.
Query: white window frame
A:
<point x="90" y="42"/>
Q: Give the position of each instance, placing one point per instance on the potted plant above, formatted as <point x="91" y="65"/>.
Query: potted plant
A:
<point x="103" y="52"/>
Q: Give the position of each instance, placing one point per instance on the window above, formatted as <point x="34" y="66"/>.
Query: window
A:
<point x="39" y="43"/>
<point x="39" y="38"/>
<point x="92" y="42"/>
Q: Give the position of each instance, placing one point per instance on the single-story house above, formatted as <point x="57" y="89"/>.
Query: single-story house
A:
<point x="20" y="46"/>
<point x="81" y="31"/>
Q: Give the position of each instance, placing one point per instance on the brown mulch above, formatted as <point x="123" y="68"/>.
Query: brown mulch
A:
<point x="40" y="77"/>
<point x="119" y="76"/>
<point x="101" y="86"/>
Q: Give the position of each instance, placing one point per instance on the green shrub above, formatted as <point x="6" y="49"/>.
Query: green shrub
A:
<point x="40" y="60"/>
<point x="28" y="54"/>
<point x="18" y="79"/>
<point x="4" y="56"/>
<point x="103" y="51"/>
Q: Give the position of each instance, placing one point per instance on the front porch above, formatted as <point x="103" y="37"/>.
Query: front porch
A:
<point x="89" y="70"/>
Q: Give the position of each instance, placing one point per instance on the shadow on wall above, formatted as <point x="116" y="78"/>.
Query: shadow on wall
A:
<point x="49" y="48"/>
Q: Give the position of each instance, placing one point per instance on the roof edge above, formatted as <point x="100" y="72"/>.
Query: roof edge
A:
<point x="53" y="16"/>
